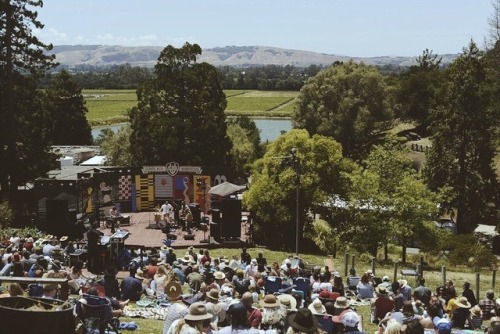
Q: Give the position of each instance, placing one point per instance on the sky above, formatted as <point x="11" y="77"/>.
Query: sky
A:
<point x="355" y="28"/>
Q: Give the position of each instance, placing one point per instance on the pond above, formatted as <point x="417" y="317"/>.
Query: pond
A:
<point x="270" y="128"/>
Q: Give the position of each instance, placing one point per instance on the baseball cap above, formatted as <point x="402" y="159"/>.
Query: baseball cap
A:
<point x="350" y="319"/>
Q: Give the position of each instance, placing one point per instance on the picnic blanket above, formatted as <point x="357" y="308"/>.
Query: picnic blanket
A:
<point x="152" y="312"/>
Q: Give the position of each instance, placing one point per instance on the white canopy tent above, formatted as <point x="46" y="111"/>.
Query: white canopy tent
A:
<point x="225" y="189"/>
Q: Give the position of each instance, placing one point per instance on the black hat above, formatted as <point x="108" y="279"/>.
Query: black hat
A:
<point x="303" y="320"/>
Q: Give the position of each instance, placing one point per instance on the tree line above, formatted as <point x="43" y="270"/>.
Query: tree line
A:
<point x="353" y="171"/>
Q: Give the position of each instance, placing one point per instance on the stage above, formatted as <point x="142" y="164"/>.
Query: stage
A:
<point x="142" y="235"/>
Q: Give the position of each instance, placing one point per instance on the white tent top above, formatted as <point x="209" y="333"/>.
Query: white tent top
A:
<point x="225" y="189"/>
<point x="486" y="229"/>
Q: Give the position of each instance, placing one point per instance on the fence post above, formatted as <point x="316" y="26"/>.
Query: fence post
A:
<point x="395" y="278"/>
<point x="477" y="285"/>
<point x="493" y="279"/>
<point x="443" y="274"/>
<point x="346" y="264"/>
<point x="421" y="271"/>
<point x="373" y="265"/>
<point x="353" y="261"/>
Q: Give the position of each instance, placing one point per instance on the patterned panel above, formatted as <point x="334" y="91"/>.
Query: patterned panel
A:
<point x="145" y="192"/>
<point x="124" y="187"/>
<point x="200" y="194"/>
<point x="164" y="186"/>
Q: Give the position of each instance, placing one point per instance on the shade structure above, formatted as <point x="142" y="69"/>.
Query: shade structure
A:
<point x="225" y="189"/>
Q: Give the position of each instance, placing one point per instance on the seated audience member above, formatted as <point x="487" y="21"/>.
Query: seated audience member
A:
<point x="198" y="320"/>
<point x="131" y="286"/>
<point x="487" y="305"/>
<point x="160" y="279"/>
<point x="273" y="314"/>
<point x="303" y="321"/>
<point x="414" y="327"/>
<point x="476" y="317"/>
<point x="194" y="279"/>
<point x="469" y="294"/>
<point x="461" y="314"/>
<point x="110" y="283"/>
<point x="49" y="291"/>
<point x="254" y="314"/>
<point x="365" y="287"/>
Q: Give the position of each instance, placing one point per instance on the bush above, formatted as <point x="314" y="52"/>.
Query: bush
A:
<point x="6" y="215"/>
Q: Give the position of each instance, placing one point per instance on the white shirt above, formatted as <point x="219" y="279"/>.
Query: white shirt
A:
<point x="166" y="208"/>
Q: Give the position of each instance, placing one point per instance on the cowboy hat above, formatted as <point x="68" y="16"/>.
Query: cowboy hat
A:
<point x="402" y="283"/>
<point x="213" y="294"/>
<point x="173" y="290"/>
<point x="303" y="320"/>
<point x="197" y="311"/>
<point x="288" y="301"/>
<point x="269" y="301"/>
<point x="342" y="302"/>
<point x="462" y="302"/>
<point x="476" y="310"/>
<point x="317" y="307"/>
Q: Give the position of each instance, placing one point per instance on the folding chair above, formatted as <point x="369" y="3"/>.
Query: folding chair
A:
<point x="325" y="322"/>
<point x="272" y="284"/>
<point x="95" y="314"/>
<point x="302" y="284"/>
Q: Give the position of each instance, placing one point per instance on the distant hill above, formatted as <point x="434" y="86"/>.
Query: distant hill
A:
<point x="244" y="56"/>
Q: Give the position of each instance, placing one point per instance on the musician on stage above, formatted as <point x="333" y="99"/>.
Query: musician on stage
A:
<point x="113" y="213"/>
<point x="166" y="209"/>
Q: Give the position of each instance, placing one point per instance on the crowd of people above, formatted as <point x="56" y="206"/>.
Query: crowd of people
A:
<point x="245" y="293"/>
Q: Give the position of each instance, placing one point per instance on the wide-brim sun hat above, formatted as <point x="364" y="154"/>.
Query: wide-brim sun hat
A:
<point x="197" y="312"/>
<point x="317" y="307"/>
<point x="303" y="320"/>
<point x="288" y="301"/>
<point x="342" y="302"/>
<point x="219" y="275"/>
<point x="269" y="301"/>
<point x="381" y="290"/>
<point x="462" y="302"/>
<point x="213" y="295"/>
<point x="173" y="290"/>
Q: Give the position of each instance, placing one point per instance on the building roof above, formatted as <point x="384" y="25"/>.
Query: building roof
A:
<point x="486" y="230"/>
<point x="67" y="173"/>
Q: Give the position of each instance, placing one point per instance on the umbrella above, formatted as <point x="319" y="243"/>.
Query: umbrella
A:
<point x="225" y="189"/>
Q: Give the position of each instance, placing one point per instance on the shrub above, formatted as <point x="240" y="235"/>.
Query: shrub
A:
<point x="6" y="215"/>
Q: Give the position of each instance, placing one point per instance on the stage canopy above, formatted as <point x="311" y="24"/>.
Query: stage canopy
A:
<point x="225" y="189"/>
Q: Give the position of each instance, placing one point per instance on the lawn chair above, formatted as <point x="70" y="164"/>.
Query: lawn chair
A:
<point x="302" y="284"/>
<point x="325" y="323"/>
<point x="95" y="314"/>
<point x="272" y="284"/>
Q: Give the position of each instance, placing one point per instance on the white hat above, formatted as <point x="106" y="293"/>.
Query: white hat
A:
<point x="316" y="307"/>
<point x="385" y="278"/>
<point x="350" y="319"/>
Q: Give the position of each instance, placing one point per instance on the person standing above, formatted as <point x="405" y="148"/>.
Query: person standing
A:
<point x="166" y="210"/>
<point x="93" y="238"/>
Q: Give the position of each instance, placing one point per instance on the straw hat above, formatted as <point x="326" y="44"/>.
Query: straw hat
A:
<point x="213" y="294"/>
<point x="476" y="310"/>
<point x="317" y="307"/>
<point x="462" y="302"/>
<point x="269" y="301"/>
<point x="402" y="283"/>
<point x="219" y="275"/>
<point x="198" y="311"/>
<point x="342" y="302"/>
<point x="303" y="320"/>
<point x="288" y="301"/>
<point x="381" y="290"/>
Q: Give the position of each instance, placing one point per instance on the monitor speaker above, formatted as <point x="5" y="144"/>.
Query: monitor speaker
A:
<point x="188" y="236"/>
<point x="231" y="218"/>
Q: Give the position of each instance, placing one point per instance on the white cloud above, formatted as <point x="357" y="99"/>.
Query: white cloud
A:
<point x="150" y="37"/>
<point x="51" y="35"/>
<point x="105" y="37"/>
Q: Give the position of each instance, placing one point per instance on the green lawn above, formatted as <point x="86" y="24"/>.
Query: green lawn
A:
<point x="111" y="106"/>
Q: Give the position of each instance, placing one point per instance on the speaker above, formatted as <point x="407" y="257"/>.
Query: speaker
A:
<point x="188" y="236"/>
<point x="215" y="231"/>
<point x="57" y="222"/>
<point x="215" y="215"/>
<point x="195" y="210"/>
<point x="231" y="218"/>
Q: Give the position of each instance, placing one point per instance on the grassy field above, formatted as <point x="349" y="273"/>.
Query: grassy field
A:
<point x="363" y="263"/>
<point x="112" y="106"/>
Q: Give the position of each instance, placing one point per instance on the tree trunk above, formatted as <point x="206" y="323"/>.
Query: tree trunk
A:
<point x="386" y="252"/>
<point x="403" y="253"/>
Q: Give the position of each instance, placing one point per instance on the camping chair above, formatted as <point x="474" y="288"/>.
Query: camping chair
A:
<point x="302" y="284"/>
<point x="272" y="284"/>
<point x="376" y="281"/>
<point x="352" y="283"/>
<point x="325" y="322"/>
<point x="380" y="308"/>
<point x="95" y="314"/>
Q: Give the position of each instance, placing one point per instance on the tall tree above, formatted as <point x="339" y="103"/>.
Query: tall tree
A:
<point x="246" y="146"/>
<point x="22" y="58"/>
<point x="180" y="113"/>
<point x="348" y="102"/>
<point x="462" y="152"/>
<point x="272" y="194"/>
<point x="419" y="88"/>
<point x="67" y="111"/>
